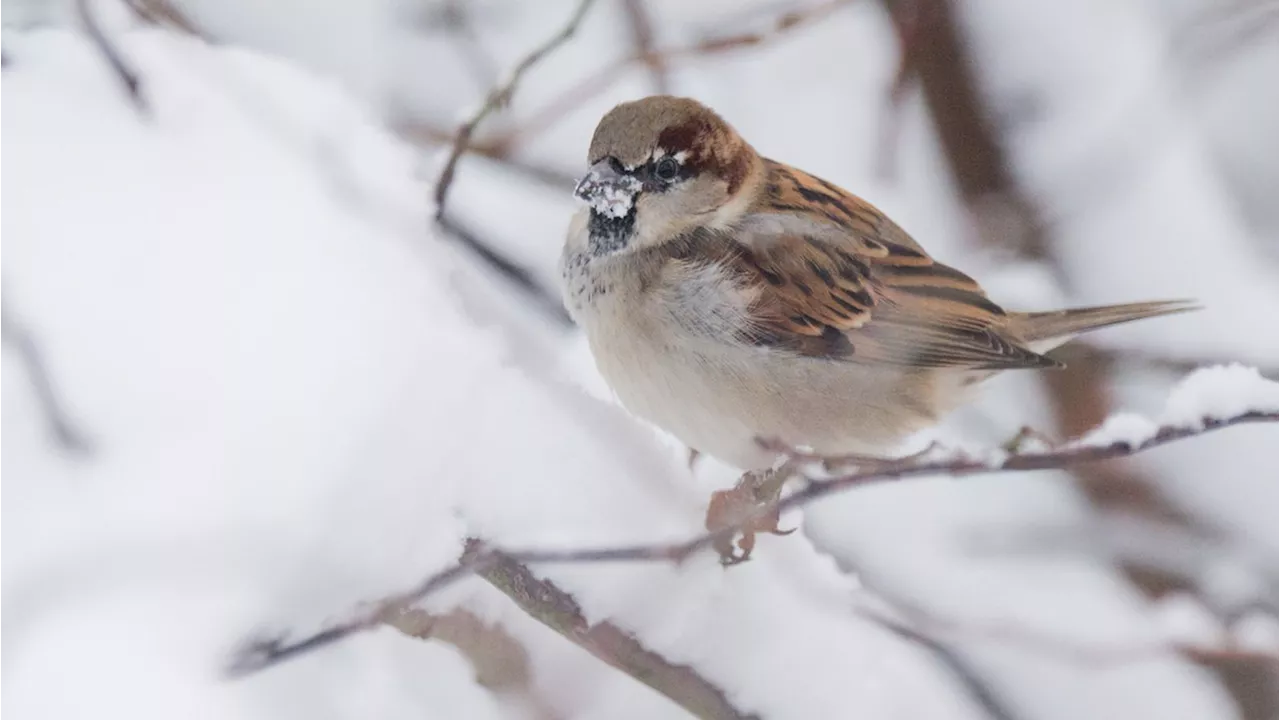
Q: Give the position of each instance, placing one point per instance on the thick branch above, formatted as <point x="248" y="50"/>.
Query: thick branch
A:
<point x="556" y="609"/>
<point x="265" y="652"/>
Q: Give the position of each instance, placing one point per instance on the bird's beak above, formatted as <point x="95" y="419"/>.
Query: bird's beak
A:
<point x="608" y="191"/>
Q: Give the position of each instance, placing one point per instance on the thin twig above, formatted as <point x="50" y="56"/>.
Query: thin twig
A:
<point x="422" y="133"/>
<point x="128" y="77"/>
<point x="498" y="97"/>
<point x="62" y="428"/>
<point x="641" y="27"/>
<point x="454" y="18"/>
<point x="602" y="79"/>
<point x="521" y="277"/>
<point x="1085" y="653"/>
<point x="980" y="691"/>
<point x="262" y="653"/>
<point x="165" y="14"/>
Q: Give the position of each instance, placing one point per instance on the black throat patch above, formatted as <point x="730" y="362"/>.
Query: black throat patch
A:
<point x="607" y="234"/>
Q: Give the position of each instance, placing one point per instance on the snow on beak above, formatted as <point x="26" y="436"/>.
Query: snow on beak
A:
<point x="608" y="191"/>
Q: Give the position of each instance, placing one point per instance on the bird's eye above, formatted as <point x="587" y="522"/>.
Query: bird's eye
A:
<point x="667" y="169"/>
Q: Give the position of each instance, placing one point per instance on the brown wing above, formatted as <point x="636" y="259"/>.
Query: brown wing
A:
<point x="867" y="292"/>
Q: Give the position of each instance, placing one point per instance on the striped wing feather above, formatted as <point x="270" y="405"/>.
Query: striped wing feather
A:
<point x="868" y="292"/>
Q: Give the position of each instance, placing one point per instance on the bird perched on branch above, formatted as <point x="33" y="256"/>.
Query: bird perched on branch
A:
<point x="728" y="297"/>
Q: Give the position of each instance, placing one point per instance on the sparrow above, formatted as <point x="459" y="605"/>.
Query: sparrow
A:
<point x="728" y="297"/>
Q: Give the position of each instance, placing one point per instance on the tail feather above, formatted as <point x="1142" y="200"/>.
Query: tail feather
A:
<point x="1043" y="331"/>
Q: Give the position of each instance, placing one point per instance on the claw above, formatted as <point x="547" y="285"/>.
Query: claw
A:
<point x="729" y="508"/>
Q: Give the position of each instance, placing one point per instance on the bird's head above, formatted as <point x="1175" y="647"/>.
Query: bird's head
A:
<point x="661" y="166"/>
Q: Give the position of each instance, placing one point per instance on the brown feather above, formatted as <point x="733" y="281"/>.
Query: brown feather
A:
<point x="1058" y="326"/>
<point x="866" y="293"/>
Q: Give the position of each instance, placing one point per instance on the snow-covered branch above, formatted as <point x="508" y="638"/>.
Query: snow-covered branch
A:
<point x="556" y="609"/>
<point x="1208" y="400"/>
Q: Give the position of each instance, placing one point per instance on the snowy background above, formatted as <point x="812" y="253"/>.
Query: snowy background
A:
<point x="285" y="392"/>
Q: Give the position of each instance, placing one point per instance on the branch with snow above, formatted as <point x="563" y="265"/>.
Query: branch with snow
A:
<point x="1206" y="401"/>
<point x="556" y="609"/>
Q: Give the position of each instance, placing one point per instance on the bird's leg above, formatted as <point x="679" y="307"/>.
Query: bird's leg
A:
<point x="1017" y="444"/>
<point x="751" y="506"/>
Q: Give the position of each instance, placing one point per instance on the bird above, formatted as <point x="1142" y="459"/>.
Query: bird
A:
<point x="728" y="298"/>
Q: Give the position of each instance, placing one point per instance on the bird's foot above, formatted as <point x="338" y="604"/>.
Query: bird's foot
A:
<point x="751" y="507"/>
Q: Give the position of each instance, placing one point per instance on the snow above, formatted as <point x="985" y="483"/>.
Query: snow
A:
<point x="1219" y="392"/>
<point x="1255" y="631"/>
<point x="612" y="198"/>
<point x="301" y="399"/>
<point x="1205" y="395"/>
<point x="292" y="415"/>
<point x="1125" y="428"/>
<point x="1187" y="621"/>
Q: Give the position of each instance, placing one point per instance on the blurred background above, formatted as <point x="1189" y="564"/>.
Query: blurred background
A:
<point x="259" y="367"/>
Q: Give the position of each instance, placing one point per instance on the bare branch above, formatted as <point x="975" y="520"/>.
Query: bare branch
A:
<point x="920" y="624"/>
<point x="66" y="434"/>
<point x="498" y="97"/>
<point x="641" y="27"/>
<point x="128" y="77"/>
<point x="980" y="691"/>
<point x="165" y="14"/>
<point x="453" y="17"/>
<point x="262" y="653"/>
<point x="600" y="81"/>
<point x="545" y="300"/>
<point x="421" y="133"/>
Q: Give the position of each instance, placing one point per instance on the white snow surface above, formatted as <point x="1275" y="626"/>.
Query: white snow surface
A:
<point x="1213" y="393"/>
<point x="290" y="413"/>
<point x="300" y="399"/>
